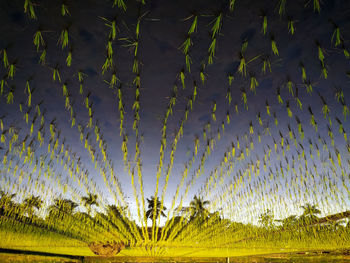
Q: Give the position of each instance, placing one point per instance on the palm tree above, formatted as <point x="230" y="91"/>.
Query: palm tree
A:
<point x="6" y="199"/>
<point x="150" y="211"/>
<point x="266" y="219"/>
<point x="62" y="208"/>
<point x="198" y="207"/>
<point x="6" y="202"/>
<point x="89" y="201"/>
<point x="159" y="211"/>
<point x="30" y="203"/>
<point x="310" y="213"/>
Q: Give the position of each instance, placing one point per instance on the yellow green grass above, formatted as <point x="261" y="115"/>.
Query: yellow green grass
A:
<point x="12" y="258"/>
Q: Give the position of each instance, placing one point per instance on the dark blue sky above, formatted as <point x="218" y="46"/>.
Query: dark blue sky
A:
<point x="163" y="28"/>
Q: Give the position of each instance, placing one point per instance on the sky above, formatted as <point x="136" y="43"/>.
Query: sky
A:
<point x="163" y="27"/>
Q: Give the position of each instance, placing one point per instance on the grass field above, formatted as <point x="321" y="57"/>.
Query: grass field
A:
<point x="296" y="257"/>
<point x="14" y="258"/>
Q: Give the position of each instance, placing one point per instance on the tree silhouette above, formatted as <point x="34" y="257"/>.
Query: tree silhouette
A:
<point x="198" y="207"/>
<point x="310" y="213"/>
<point x="30" y="203"/>
<point x="89" y="200"/>
<point x="266" y="219"/>
<point x="150" y="211"/>
<point x="62" y="208"/>
<point x="6" y="203"/>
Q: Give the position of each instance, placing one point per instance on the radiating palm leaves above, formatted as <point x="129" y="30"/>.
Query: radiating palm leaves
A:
<point x="242" y="184"/>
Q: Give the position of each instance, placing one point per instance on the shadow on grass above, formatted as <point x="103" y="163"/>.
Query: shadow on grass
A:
<point x="38" y="253"/>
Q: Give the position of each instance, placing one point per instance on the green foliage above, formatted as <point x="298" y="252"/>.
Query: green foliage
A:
<point x="282" y="7"/>
<point x="64" y="10"/>
<point x="29" y="9"/>
<point x="63" y="39"/>
<point x="120" y="3"/>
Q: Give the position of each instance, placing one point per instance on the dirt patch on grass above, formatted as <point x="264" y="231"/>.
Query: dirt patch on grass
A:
<point x="106" y="249"/>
